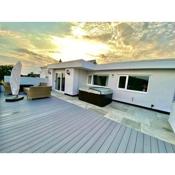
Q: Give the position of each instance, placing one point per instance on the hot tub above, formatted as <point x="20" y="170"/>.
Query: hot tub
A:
<point x="96" y="95"/>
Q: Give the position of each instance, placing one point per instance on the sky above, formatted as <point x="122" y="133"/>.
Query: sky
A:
<point x="37" y="44"/>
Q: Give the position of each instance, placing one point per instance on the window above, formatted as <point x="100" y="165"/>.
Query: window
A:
<point x="138" y="83"/>
<point x="89" y="79"/>
<point x="100" y="80"/>
<point x="135" y="83"/>
<point x="122" y="82"/>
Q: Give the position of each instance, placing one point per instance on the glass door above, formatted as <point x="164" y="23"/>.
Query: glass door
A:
<point x="60" y="81"/>
<point x="57" y="81"/>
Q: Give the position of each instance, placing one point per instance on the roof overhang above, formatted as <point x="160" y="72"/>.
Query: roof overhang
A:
<point x="134" y="65"/>
<point x="81" y="64"/>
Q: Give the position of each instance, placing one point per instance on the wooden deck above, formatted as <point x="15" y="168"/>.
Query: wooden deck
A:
<point x="53" y="125"/>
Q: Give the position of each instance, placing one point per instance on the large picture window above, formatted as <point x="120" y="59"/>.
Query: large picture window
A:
<point x="135" y="83"/>
<point x="99" y="80"/>
<point x="138" y="83"/>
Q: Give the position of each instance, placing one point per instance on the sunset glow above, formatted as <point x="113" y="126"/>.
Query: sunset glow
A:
<point x="71" y="48"/>
<point x="39" y="44"/>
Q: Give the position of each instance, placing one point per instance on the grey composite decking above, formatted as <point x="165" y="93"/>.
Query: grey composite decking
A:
<point x="53" y="125"/>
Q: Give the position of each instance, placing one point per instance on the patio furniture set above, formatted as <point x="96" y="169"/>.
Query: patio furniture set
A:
<point x="32" y="92"/>
<point x="95" y="95"/>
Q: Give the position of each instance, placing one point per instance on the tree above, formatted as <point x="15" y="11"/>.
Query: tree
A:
<point x="5" y="70"/>
<point x="31" y="74"/>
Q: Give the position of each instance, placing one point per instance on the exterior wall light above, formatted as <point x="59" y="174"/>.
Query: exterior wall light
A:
<point x="68" y="72"/>
<point x="49" y="72"/>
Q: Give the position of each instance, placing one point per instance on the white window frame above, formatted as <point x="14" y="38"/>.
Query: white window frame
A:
<point x="92" y="80"/>
<point x="88" y="79"/>
<point x="126" y="84"/>
<point x="54" y="75"/>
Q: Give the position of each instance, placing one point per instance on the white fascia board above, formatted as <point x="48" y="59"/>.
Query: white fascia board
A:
<point x="151" y="64"/>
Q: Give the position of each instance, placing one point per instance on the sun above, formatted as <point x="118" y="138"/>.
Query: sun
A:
<point x="78" y="32"/>
<point x="70" y="48"/>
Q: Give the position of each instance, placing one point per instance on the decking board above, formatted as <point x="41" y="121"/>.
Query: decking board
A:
<point x="49" y="138"/>
<point x="124" y="142"/>
<point x="154" y="145"/>
<point x="161" y="147"/>
<point x="77" y="146"/>
<point x="169" y="148"/>
<point x="80" y="137"/>
<point x="131" y="142"/>
<point x="37" y="137"/>
<point x="94" y="138"/>
<point x="102" y="139"/>
<point x="146" y="143"/>
<point x="72" y="135"/>
<point x="53" y="125"/>
<point x="139" y="143"/>
<point x="116" y="142"/>
<point x="109" y="140"/>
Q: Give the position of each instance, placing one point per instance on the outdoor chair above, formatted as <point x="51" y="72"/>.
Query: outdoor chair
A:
<point x="7" y="88"/>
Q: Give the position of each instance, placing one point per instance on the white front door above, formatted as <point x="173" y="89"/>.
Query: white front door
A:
<point x="60" y="81"/>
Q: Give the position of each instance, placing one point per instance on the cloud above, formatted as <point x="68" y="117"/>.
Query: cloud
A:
<point x="38" y="44"/>
<point x="31" y="49"/>
<point x="35" y="58"/>
<point x="133" y="41"/>
<point x="8" y="33"/>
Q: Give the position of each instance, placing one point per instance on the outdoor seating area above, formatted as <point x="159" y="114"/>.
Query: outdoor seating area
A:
<point x="42" y="90"/>
<point x="7" y="88"/>
<point x="35" y="92"/>
<point x="54" y="125"/>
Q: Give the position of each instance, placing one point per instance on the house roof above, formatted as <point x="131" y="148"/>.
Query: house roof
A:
<point x="73" y="64"/>
<point x="44" y="67"/>
<point x="143" y="64"/>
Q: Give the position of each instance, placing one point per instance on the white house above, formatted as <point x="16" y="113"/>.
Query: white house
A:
<point x="148" y="83"/>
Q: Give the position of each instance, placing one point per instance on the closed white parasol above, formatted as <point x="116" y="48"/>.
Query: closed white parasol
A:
<point x="15" y="83"/>
<point x="15" y="78"/>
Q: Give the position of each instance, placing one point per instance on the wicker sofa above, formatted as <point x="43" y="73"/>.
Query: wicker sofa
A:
<point x="7" y="88"/>
<point x="35" y="92"/>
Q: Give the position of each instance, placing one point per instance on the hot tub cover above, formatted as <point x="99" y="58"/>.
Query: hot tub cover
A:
<point x="97" y="90"/>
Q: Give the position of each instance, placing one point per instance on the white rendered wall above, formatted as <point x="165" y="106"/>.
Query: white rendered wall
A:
<point x="82" y="78"/>
<point x="160" y="92"/>
<point x="76" y="79"/>
<point x="50" y="78"/>
<point x="69" y="81"/>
